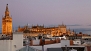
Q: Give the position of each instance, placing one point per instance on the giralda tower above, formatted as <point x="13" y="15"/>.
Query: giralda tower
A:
<point x="7" y="23"/>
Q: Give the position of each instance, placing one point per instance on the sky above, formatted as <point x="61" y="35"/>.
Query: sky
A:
<point x="47" y="12"/>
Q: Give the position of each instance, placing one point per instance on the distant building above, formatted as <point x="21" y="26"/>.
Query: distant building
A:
<point x="7" y="23"/>
<point x="74" y="37"/>
<point x="36" y="30"/>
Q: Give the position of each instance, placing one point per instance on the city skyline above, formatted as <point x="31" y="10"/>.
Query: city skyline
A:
<point x="49" y="12"/>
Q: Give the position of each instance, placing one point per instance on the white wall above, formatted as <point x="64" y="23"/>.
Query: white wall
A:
<point x="77" y="42"/>
<point x="36" y="42"/>
<point x="65" y="42"/>
<point x="17" y="41"/>
<point x="37" y="47"/>
<point x="5" y="45"/>
<point x="8" y="45"/>
<point x="57" y="45"/>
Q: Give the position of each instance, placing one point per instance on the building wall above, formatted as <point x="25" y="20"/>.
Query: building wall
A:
<point x="12" y="45"/>
<point x="57" y="45"/>
<point x="7" y="26"/>
<point x="65" y="42"/>
<point x="37" y="47"/>
<point x="6" y="45"/>
<point x="63" y="30"/>
<point x="84" y="37"/>
<point x="88" y="48"/>
<point x="36" y="42"/>
<point x="30" y="34"/>
<point x="54" y="31"/>
<point x="17" y="40"/>
<point x="77" y="42"/>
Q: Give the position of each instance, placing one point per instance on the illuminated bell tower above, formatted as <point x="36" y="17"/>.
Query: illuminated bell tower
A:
<point x="7" y="23"/>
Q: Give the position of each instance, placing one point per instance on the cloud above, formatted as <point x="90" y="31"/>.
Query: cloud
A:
<point x="75" y="25"/>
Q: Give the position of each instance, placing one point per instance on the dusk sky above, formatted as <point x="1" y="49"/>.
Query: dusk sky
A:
<point x="48" y="12"/>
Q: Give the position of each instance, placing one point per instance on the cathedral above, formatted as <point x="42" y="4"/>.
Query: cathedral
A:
<point x="7" y="22"/>
<point x="38" y="29"/>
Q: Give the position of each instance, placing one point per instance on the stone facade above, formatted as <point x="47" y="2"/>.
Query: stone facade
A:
<point x="36" y="30"/>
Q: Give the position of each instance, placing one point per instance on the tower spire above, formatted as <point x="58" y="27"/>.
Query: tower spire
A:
<point x="7" y="7"/>
<point x="7" y="11"/>
<point x="7" y="23"/>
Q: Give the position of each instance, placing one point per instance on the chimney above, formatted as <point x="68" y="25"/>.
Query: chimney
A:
<point x="71" y="42"/>
<point x="31" y="43"/>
